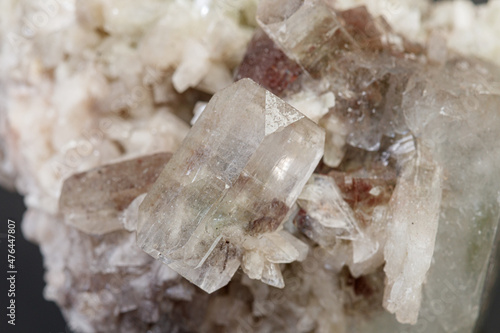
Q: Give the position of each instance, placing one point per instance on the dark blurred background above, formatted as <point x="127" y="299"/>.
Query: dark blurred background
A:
<point x="33" y="312"/>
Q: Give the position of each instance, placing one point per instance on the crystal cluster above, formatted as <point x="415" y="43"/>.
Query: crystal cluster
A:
<point x="343" y="154"/>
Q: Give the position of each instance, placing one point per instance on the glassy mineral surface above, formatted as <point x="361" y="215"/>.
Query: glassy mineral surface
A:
<point x="229" y="187"/>
<point x="392" y="231"/>
<point x="97" y="201"/>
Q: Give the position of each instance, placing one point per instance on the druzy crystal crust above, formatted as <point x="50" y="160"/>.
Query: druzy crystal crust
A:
<point x="340" y="173"/>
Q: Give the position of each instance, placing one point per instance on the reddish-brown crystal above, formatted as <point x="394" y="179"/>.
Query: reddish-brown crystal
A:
<point x="361" y="26"/>
<point x="268" y="65"/>
<point x="356" y="190"/>
<point x="272" y="216"/>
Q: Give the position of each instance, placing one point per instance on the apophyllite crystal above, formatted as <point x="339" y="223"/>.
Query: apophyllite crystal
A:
<point x="97" y="201"/>
<point x="340" y="174"/>
<point x="228" y="188"/>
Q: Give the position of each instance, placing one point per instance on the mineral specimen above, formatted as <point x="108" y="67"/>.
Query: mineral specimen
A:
<point x="396" y="225"/>
<point x="230" y="183"/>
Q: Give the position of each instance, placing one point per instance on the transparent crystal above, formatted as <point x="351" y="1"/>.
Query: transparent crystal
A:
<point x="241" y="167"/>
<point x="96" y="201"/>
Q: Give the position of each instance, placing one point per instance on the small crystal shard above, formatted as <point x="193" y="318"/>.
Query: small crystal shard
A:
<point x="96" y="201"/>
<point x="323" y="199"/>
<point x="345" y="213"/>
<point x="241" y="167"/>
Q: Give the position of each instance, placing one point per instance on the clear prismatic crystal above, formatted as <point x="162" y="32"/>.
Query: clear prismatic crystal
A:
<point x="412" y="226"/>
<point x="97" y="201"/>
<point x="225" y="193"/>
